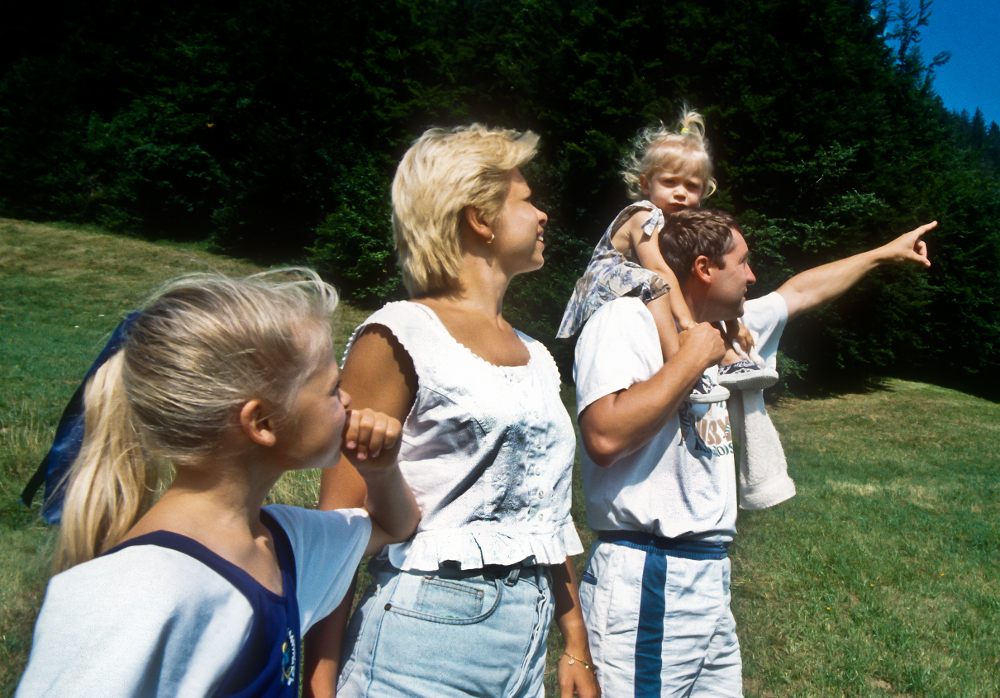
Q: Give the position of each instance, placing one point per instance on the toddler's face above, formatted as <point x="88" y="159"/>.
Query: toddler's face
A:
<point x="672" y="190"/>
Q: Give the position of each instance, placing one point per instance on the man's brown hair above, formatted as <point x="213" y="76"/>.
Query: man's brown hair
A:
<point x="693" y="232"/>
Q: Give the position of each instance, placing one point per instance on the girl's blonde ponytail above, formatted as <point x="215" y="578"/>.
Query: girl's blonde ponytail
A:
<point x="112" y="481"/>
<point x="200" y="349"/>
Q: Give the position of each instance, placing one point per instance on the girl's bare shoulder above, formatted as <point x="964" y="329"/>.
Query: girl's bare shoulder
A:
<point x="636" y="221"/>
<point x="629" y="232"/>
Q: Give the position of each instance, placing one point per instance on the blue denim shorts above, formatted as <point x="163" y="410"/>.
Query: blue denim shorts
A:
<point x="448" y="633"/>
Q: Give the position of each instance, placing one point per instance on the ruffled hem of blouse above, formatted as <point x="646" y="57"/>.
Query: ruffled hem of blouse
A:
<point x="475" y="549"/>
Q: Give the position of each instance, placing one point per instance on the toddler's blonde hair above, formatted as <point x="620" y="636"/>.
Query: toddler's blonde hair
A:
<point x="658" y="148"/>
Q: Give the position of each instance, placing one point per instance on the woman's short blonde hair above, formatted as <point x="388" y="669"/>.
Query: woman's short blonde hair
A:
<point x="658" y="148"/>
<point x="443" y="172"/>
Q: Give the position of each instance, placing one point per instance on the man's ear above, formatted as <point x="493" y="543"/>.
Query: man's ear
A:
<point x="256" y="424"/>
<point x="477" y="223"/>
<point x="702" y="269"/>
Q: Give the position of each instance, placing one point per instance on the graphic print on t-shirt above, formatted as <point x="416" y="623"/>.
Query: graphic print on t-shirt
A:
<point x="705" y="429"/>
<point x="289" y="659"/>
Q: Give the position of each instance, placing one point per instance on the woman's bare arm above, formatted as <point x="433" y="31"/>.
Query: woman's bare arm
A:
<point x="575" y="679"/>
<point x="378" y="375"/>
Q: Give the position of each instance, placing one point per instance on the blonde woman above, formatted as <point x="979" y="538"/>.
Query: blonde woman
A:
<point x="463" y="607"/>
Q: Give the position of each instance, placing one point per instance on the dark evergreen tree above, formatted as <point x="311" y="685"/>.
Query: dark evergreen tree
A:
<point x="273" y="126"/>
<point x="993" y="148"/>
<point x="978" y="130"/>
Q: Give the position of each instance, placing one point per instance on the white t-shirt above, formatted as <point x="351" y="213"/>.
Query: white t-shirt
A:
<point x="683" y="482"/>
<point x="149" y="620"/>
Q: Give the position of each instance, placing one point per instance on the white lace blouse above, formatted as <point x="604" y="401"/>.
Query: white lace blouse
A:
<point x="487" y="450"/>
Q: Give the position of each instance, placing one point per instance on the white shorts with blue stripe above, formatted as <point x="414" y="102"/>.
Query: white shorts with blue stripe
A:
<point x="658" y="618"/>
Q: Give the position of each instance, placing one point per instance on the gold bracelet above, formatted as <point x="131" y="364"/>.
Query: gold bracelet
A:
<point x="573" y="660"/>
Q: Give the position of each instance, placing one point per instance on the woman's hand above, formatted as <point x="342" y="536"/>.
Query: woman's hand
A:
<point x="367" y="432"/>
<point x="577" y="678"/>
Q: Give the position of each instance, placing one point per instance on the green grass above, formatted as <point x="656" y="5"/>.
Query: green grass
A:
<point x="880" y="578"/>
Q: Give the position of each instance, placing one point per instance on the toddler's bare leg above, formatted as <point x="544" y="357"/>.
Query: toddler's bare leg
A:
<point x="731" y="356"/>
<point x="728" y="335"/>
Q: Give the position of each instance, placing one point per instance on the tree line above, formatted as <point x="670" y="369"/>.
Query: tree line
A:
<point x="272" y="128"/>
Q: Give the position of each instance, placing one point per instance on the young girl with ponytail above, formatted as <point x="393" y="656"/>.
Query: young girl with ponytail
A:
<point x="228" y="384"/>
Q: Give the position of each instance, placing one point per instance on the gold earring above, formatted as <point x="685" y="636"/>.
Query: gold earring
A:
<point x="492" y="235"/>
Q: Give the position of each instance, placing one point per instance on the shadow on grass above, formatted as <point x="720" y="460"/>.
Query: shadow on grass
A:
<point x="868" y="385"/>
<point x="794" y="389"/>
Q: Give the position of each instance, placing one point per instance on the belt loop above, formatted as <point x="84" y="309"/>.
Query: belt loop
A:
<point x="512" y="578"/>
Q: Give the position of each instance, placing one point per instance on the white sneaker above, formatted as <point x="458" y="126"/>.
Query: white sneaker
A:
<point x="752" y="355"/>
<point x="706" y="391"/>
<point x="746" y="375"/>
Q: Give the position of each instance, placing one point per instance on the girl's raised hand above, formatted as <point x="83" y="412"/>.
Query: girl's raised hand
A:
<point x="367" y="433"/>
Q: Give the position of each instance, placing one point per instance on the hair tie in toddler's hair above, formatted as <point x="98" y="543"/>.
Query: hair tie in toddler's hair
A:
<point x="69" y="435"/>
<point x="685" y="131"/>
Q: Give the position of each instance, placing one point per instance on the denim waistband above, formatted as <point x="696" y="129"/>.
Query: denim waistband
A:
<point x="673" y="547"/>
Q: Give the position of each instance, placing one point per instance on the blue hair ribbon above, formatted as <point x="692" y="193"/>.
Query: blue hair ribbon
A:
<point x="69" y="436"/>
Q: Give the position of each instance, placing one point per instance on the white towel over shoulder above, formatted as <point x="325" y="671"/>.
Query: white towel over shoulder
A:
<point x="764" y="479"/>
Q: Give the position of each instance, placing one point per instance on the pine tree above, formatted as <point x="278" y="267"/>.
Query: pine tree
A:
<point x="977" y="134"/>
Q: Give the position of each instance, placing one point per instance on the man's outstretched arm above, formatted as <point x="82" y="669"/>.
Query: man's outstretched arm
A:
<point x="815" y="287"/>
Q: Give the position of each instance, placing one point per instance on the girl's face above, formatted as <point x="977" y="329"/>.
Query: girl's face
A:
<point x="673" y="189"/>
<point x="316" y="423"/>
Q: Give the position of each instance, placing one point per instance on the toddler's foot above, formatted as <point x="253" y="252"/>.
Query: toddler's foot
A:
<point x="706" y="391"/>
<point x="746" y="375"/>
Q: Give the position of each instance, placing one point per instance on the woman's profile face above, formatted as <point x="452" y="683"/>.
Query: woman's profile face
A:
<point x="519" y="236"/>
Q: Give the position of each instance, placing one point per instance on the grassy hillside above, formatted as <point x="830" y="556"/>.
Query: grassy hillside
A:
<point x="879" y="578"/>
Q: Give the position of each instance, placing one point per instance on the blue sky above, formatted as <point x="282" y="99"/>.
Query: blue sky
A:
<point x="970" y="29"/>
